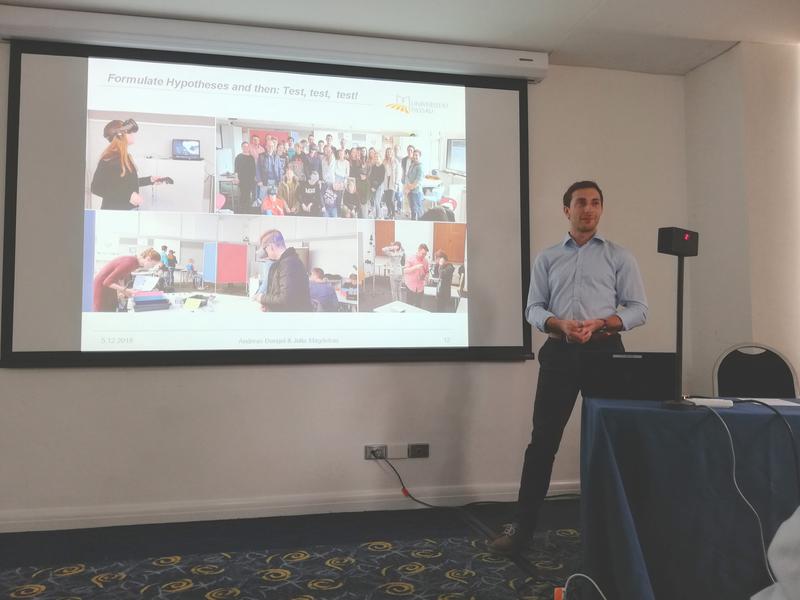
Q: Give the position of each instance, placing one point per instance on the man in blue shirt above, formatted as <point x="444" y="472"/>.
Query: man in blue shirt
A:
<point x="269" y="167"/>
<point x="583" y="292"/>
<point x="323" y="296"/>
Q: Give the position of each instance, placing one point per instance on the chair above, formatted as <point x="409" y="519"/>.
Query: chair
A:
<point x="753" y="371"/>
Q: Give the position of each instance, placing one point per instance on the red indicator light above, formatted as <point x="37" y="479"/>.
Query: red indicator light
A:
<point x="686" y="237"/>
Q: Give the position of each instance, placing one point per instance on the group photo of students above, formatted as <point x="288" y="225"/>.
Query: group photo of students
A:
<point x="275" y="169"/>
<point x="288" y="217"/>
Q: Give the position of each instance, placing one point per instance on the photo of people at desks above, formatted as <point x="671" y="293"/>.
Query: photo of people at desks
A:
<point x="279" y="169"/>
<point x="222" y="263"/>
<point x="409" y="267"/>
<point x="149" y="162"/>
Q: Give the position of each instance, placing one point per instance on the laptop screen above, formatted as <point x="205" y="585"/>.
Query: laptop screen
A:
<point x="628" y="375"/>
<point x="144" y="283"/>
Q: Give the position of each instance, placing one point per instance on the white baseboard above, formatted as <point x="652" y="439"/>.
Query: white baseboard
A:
<point x="45" y="519"/>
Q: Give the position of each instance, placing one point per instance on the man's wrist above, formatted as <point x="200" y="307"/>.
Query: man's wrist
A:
<point x="610" y="325"/>
<point x="551" y="325"/>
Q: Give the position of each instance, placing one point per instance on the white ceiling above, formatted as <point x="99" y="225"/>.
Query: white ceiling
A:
<point x="653" y="36"/>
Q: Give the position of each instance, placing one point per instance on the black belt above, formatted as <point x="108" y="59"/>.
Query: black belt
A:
<point x="596" y="338"/>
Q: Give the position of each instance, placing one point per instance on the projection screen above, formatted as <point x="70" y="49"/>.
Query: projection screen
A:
<point x="170" y="208"/>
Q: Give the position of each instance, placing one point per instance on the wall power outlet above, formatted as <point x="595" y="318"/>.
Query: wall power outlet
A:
<point x="396" y="451"/>
<point x="375" y="451"/>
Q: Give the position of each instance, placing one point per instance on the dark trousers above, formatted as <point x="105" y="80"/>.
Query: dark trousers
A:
<point x="556" y="391"/>
<point x="247" y="194"/>
<point x="414" y="298"/>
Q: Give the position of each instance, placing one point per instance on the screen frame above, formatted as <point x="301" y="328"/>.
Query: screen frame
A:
<point x="197" y="156"/>
<point x="448" y="168"/>
<point x="77" y="358"/>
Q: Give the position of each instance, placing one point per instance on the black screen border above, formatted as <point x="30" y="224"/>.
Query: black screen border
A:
<point x="57" y="359"/>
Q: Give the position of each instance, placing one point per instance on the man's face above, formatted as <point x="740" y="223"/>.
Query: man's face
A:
<point x="272" y="251"/>
<point x="417" y="155"/>
<point x="256" y="142"/>
<point x="410" y="151"/>
<point x="245" y="147"/>
<point x="584" y="210"/>
<point x="422" y="253"/>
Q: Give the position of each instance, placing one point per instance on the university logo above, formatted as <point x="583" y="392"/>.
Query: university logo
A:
<point x="407" y="105"/>
<point x="401" y="104"/>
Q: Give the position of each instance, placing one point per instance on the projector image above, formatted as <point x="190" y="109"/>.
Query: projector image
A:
<point x="677" y="241"/>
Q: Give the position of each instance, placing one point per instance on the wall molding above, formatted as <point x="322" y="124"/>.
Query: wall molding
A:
<point x="80" y="517"/>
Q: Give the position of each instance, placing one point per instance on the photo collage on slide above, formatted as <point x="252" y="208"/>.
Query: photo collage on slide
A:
<point x="223" y="212"/>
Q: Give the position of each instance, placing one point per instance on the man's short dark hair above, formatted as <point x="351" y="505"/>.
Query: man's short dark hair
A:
<point x="318" y="272"/>
<point x="581" y="185"/>
<point x="423" y="247"/>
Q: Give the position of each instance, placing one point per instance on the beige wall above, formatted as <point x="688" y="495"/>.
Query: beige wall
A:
<point x="626" y="131"/>
<point x="743" y="156"/>
<point x="84" y="447"/>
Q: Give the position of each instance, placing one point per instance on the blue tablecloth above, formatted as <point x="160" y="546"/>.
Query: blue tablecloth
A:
<point x="661" y="518"/>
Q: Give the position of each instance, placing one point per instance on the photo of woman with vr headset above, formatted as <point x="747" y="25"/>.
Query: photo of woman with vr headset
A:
<point x="116" y="180"/>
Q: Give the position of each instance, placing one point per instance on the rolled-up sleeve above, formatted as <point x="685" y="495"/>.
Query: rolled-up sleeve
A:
<point x="630" y="293"/>
<point x="537" y="310"/>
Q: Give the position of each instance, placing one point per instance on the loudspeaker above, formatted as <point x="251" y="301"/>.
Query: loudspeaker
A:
<point x="677" y="241"/>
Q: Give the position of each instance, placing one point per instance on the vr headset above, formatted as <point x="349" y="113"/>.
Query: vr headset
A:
<point x="118" y="128"/>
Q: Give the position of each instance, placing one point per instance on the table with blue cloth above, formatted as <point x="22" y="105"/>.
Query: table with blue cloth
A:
<point x="661" y="518"/>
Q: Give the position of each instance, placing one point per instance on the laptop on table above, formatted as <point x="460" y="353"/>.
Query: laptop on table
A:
<point x="628" y="375"/>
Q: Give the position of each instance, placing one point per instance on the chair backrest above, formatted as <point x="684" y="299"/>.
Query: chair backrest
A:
<point x="754" y="371"/>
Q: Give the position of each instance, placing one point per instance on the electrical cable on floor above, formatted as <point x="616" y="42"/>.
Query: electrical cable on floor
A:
<point x="742" y="496"/>
<point x="404" y="489"/>
<point x="795" y="454"/>
<point x="471" y="520"/>
<point x="409" y="495"/>
<point x="594" y="583"/>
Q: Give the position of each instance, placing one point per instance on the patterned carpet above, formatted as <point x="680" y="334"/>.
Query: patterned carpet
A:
<point x="452" y="568"/>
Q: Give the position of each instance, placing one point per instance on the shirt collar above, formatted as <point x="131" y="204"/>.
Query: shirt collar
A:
<point x="568" y="238"/>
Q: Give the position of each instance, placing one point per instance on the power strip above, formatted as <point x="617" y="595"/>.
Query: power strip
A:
<point x="712" y="402"/>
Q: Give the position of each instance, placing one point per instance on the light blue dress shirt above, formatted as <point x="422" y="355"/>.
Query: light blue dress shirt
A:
<point x="593" y="281"/>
